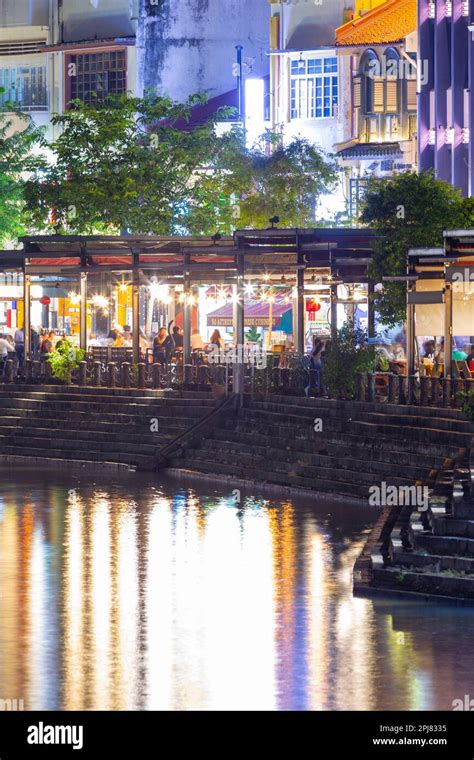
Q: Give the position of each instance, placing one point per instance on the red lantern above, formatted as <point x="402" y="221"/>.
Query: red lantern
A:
<point x="46" y="300"/>
<point x="312" y="305"/>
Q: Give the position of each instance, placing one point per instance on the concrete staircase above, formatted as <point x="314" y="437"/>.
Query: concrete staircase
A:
<point x="118" y="426"/>
<point x="429" y="552"/>
<point x="278" y="440"/>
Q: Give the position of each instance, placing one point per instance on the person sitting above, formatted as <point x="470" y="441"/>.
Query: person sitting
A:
<point x="93" y="341"/>
<point x="217" y="339"/>
<point x="119" y="339"/>
<point x="47" y="344"/>
<point x="470" y="359"/>
<point x="197" y="343"/>
<point x="163" y="347"/>
<point x="177" y="336"/>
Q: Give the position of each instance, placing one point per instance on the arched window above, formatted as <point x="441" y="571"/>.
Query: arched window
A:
<point x="370" y="70"/>
<point x="391" y="64"/>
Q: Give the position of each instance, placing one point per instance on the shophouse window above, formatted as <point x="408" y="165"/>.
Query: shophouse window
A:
<point x="24" y="86"/>
<point x="95" y="76"/>
<point x="314" y="88"/>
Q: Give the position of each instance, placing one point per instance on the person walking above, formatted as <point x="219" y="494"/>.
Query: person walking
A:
<point x="315" y="367"/>
<point x="163" y="347"/>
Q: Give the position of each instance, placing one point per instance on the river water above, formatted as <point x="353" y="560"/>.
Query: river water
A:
<point x="150" y="594"/>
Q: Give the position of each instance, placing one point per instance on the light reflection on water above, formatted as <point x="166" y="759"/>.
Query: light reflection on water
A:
<point x="141" y="596"/>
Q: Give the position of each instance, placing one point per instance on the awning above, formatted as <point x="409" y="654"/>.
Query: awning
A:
<point x="256" y="313"/>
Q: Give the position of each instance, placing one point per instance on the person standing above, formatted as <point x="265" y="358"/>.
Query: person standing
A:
<point x="163" y="347"/>
<point x="19" y="339"/>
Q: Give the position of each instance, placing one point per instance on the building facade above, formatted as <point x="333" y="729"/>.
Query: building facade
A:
<point x="189" y="46"/>
<point x="446" y="99"/>
<point x="379" y="46"/>
<point x="310" y="84"/>
<point x="52" y="52"/>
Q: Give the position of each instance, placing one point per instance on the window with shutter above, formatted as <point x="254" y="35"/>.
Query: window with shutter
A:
<point x="392" y="96"/>
<point x="356" y="92"/>
<point x="411" y="95"/>
<point x="378" y="95"/>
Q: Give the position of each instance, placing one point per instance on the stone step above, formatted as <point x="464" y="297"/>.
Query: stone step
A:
<point x="411" y="473"/>
<point x="69" y="444"/>
<point x="72" y="417"/>
<point x="354" y="490"/>
<point x="436" y="584"/>
<point x="356" y="408"/>
<point x="449" y="545"/>
<point x="93" y="406"/>
<point x="267" y="466"/>
<point x="103" y="422"/>
<point x="136" y="460"/>
<point x="365" y="441"/>
<point x="333" y="445"/>
<point x="117" y="434"/>
<point x="436" y="562"/>
<point x="415" y="421"/>
<point x="451" y="526"/>
<point x="105" y="391"/>
<point x="420" y="434"/>
<point x="109" y="397"/>
<point x="292" y="414"/>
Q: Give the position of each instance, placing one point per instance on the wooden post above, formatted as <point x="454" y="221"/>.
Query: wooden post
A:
<point x="410" y="333"/>
<point x="448" y="329"/>
<point x="371" y="386"/>
<point x="136" y="307"/>
<point x="82" y="373"/>
<point x="392" y="389"/>
<point x="333" y="311"/>
<point x="27" y="313"/>
<point x="239" y="327"/>
<point x="370" y="310"/>
<point x="299" y="327"/>
<point x="83" y="311"/>
<point x="187" y="313"/>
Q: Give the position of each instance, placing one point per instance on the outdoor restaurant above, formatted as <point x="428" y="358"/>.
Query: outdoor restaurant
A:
<point x="111" y="296"/>
<point x="440" y="308"/>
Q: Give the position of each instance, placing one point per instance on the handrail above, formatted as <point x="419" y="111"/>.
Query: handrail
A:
<point x="208" y="421"/>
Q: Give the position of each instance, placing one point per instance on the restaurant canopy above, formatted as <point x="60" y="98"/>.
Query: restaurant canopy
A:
<point x="256" y="314"/>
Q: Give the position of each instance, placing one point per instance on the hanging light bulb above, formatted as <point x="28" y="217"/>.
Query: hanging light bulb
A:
<point x="249" y="289"/>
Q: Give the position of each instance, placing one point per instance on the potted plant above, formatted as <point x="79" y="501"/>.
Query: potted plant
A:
<point x="64" y="360"/>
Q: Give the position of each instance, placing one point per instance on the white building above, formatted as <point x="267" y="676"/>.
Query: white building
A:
<point x="51" y="52"/>
<point x="310" y="85"/>
<point x="188" y="46"/>
<point x="54" y="50"/>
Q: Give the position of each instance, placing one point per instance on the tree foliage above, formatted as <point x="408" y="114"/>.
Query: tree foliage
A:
<point x="250" y="185"/>
<point x="407" y="211"/>
<point x="349" y="353"/>
<point x="19" y="138"/>
<point x="121" y="164"/>
<point x="135" y="163"/>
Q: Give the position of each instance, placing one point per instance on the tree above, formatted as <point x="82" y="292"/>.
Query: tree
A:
<point x="249" y="185"/>
<point x="121" y="164"/>
<point x="407" y="211"/>
<point x="18" y="139"/>
<point x="349" y="353"/>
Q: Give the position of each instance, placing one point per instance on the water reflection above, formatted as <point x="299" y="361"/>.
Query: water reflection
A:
<point x="133" y="596"/>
